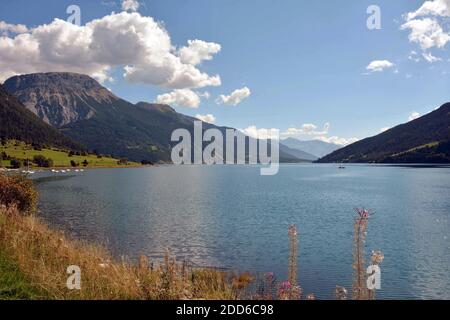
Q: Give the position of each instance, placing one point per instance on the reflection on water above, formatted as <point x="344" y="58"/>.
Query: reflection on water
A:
<point x="232" y="216"/>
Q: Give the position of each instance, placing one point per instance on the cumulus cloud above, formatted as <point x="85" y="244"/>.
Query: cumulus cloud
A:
<point x="197" y="50"/>
<point x="139" y="43"/>
<point x="130" y="5"/>
<point x="308" y="129"/>
<point x="206" y="118"/>
<point x="311" y="131"/>
<point x="205" y="94"/>
<point x="13" y="28"/>
<point x="427" y="32"/>
<point x="235" y="97"/>
<point x="426" y="24"/>
<point x="181" y="98"/>
<point x="430" y="58"/>
<point x="337" y="140"/>
<point x="435" y="8"/>
<point x="379" y="65"/>
<point x="261" y="133"/>
<point x="413" y="116"/>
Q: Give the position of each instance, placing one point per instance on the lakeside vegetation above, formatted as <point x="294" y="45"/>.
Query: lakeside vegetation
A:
<point x="17" y="154"/>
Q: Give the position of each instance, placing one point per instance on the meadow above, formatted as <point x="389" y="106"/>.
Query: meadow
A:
<point x="61" y="158"/>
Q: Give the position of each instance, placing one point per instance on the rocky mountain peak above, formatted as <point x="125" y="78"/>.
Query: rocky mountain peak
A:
<point x="59" y="98"/>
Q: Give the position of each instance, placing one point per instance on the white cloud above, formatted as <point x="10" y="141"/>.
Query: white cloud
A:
<point x="384" y="129"/>
<point x="139" y="43"/>
<point x="14" y="28"/>
<point x="426" y="24"/>
<point x="308" y="129"/>
<point x="130" y="5"/>
<point x="413" y="56"/>
<point x="235" y="97"/>
<point x="427" y="32"/>
<point x="379" y="65"/>
<point x="435" y="8"/>
<point x="430" y="58"/>
<point x="197" y="51"/>
<point x="413" y="116"/>
<point x="337" y="140"/>
<point x="205" y="94"/>
<point x="181" y="98"/>
<point x="206" y="118"/>
<point x="261" y="133"/>
<point x="311" y="131"/>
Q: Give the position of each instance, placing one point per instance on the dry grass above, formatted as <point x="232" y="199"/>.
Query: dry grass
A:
<point x="43" y="255"/>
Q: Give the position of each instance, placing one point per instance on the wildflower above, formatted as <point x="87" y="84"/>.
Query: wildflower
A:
<point x="377" y="257"/>
<point x="311" y="296"/>
<point x="340" y="293"/>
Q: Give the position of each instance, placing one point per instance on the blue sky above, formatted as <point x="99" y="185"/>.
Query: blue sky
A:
<point x="304" y="62"/>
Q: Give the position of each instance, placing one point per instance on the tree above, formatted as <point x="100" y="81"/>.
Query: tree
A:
<point x="73" y="163"/>
<point x="85" y="163"/>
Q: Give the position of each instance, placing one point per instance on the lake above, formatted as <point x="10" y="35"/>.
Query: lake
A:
<point x="231" y="217"/>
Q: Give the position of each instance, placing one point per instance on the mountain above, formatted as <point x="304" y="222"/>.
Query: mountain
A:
<point x="89" y="113"/>
<point x="59" y="98"/>
<point x="16" y="122"/>
<point x="298" y="152"/>
<point x="316" y="148"/>
<point x="424" y="140"/>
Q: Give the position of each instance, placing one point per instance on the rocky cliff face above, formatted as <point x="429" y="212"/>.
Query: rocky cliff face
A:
<point x="59" y="98"/>
<point x="16" y="122"/>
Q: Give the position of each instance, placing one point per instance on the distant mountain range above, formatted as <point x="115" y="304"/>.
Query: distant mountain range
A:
<point x="89" y="113"/>
<point x="424" y="140"/>
<point x="315" y="148"/>
<point x="16" y="122"/>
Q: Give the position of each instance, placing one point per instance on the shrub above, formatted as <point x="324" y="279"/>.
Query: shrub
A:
<point x="85" y="163"/>
<point x="42" y="161"/>
<point x="122" y="161"/>
<point x="146" y="162"/>
<point x="4" y="156"/>
<point x="36" y="146"/>
<point x="16" y="163"/>
<point x="18" y="191"/>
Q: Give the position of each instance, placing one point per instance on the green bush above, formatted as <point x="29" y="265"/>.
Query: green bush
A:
<point x="16" y="163"/>
<point x="19" y="191"/>
<point x="42" y="161"/>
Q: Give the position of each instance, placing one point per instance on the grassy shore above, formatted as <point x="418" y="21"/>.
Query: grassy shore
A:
<point x="61" y="158"/>
<point x="34" y="260"/>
